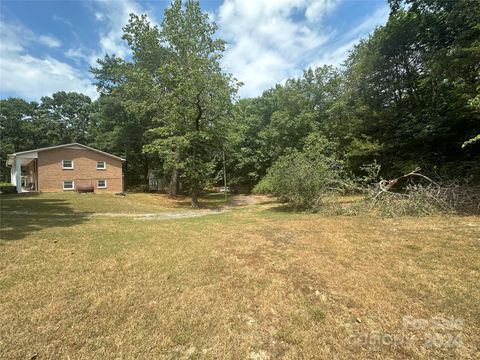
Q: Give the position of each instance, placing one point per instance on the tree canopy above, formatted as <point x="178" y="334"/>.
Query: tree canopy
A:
<point x="407" y="96"/>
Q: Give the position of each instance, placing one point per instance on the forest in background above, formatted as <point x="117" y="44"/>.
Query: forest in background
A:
<point x="406" y="97"/>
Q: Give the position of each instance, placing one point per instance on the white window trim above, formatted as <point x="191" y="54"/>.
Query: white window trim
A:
<point x="67" y="189"/>
<point x="102" y="187"/>
<point x="67" y="168"/>
<point x="104" y="165"/>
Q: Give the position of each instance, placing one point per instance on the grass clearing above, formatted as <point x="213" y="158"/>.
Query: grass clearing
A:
<point x="253" y="282"/>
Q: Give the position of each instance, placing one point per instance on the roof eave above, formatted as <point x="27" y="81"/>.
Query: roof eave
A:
<point x="63" y="146"/>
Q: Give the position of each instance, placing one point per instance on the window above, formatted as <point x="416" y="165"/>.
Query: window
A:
<point x="101" y="184"/>
<point x="68" y="185"/>
<point x="67" y="164"/>
<point x="101" y="165"/>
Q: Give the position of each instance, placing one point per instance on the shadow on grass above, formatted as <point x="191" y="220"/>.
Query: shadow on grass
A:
<point x="24" y="214"/>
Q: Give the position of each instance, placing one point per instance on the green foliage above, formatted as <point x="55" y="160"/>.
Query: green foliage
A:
<point x="65" y="117"/>
<point x="16" y="127"/>
<point x="414" y="82"/>
<point x="280" y="121"/>
<point x="407" y="96"/>
<point x="304" y="178"/>
<point x="58" y="119"/>
<point x="195" y="96"/>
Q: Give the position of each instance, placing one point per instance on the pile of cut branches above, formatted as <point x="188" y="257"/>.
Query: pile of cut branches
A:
<point x="416" y="194"/>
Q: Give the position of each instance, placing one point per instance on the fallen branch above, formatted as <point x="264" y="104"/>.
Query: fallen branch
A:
<point x="386" y="185"/>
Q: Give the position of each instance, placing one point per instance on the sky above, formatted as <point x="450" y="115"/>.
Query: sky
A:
<point x="49" y="46"/>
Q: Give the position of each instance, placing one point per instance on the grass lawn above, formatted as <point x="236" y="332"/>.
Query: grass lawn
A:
<point x="253" y="282"/>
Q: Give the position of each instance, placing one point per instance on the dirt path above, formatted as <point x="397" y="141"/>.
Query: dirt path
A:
<point x="238" y="200"/>
<point x="242" y="200"/>
<point x="167" y="215"/>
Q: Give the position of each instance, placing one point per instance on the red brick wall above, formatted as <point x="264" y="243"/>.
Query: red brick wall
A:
<point x="51" y="175"/>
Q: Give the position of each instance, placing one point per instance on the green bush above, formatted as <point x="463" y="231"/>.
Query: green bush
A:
<point x="304" y="178"/>
<point x="263" y="187"/>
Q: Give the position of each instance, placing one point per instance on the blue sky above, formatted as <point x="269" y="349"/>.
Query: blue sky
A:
<point x="48" y="46"/>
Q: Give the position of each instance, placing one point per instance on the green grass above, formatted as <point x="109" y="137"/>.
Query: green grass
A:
<point x="252" y="280"/>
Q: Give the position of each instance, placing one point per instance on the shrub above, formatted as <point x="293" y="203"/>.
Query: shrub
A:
<point x="303" y="178"/>
<point x="263" y="187"/>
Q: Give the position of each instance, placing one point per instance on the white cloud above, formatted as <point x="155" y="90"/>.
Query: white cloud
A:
<point x="78" y="54"/>
<point x="113" y="16"/>
<point x="62" y="20"/>
<point x="336" y="55"/>
<point x="99" y="16"/>
<point x="30" y="77"/>
<point x="270" y="41"/>
<point x="317" y="9"/>
<point x="266" y="45"/>
<point x="50" y="41"/>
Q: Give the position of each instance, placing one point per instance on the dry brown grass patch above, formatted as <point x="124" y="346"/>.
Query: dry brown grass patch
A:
<point x="253" y="282"/>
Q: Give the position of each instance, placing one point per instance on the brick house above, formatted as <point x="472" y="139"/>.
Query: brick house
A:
<point x="65" y="168"/>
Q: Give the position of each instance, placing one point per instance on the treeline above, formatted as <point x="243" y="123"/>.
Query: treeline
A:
<point x="72" y="117"/>
<point x="407" y="97"/>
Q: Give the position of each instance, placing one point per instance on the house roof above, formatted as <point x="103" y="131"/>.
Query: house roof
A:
<point x="12" y="156"/>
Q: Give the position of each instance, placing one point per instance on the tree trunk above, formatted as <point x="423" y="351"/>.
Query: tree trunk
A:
<point x="173" y="189"/>
<point x="195" y="203"/>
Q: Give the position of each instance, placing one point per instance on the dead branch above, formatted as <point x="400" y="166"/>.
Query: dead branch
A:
<point x="386" y="185"/>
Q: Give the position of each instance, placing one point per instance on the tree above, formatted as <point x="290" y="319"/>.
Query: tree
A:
<point x="65" y="116"/>
<point x="411" y="83"/>
<point x="128" y="102"/>
<point x="194" y="96"/>
<point x="117" y="131"/>
<point x="280" y="121"/>
<point x="17" y="129"/>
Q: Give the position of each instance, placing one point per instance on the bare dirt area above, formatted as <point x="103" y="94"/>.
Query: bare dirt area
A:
<point x="242" y="200"/>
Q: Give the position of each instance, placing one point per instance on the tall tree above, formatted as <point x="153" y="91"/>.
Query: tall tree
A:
<point x="128" y="101"/>
<point x="412" y="83"/>
<point x="17" y="118"/>
<point x="194" y="96"/>
<point x="68" y="114"/>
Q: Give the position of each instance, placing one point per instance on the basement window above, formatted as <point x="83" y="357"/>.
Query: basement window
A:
<point x="68" y="185"/>
<point x="101" y="184"/>
<point x="67" y="164"/>
<point x="101" y="165"/>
